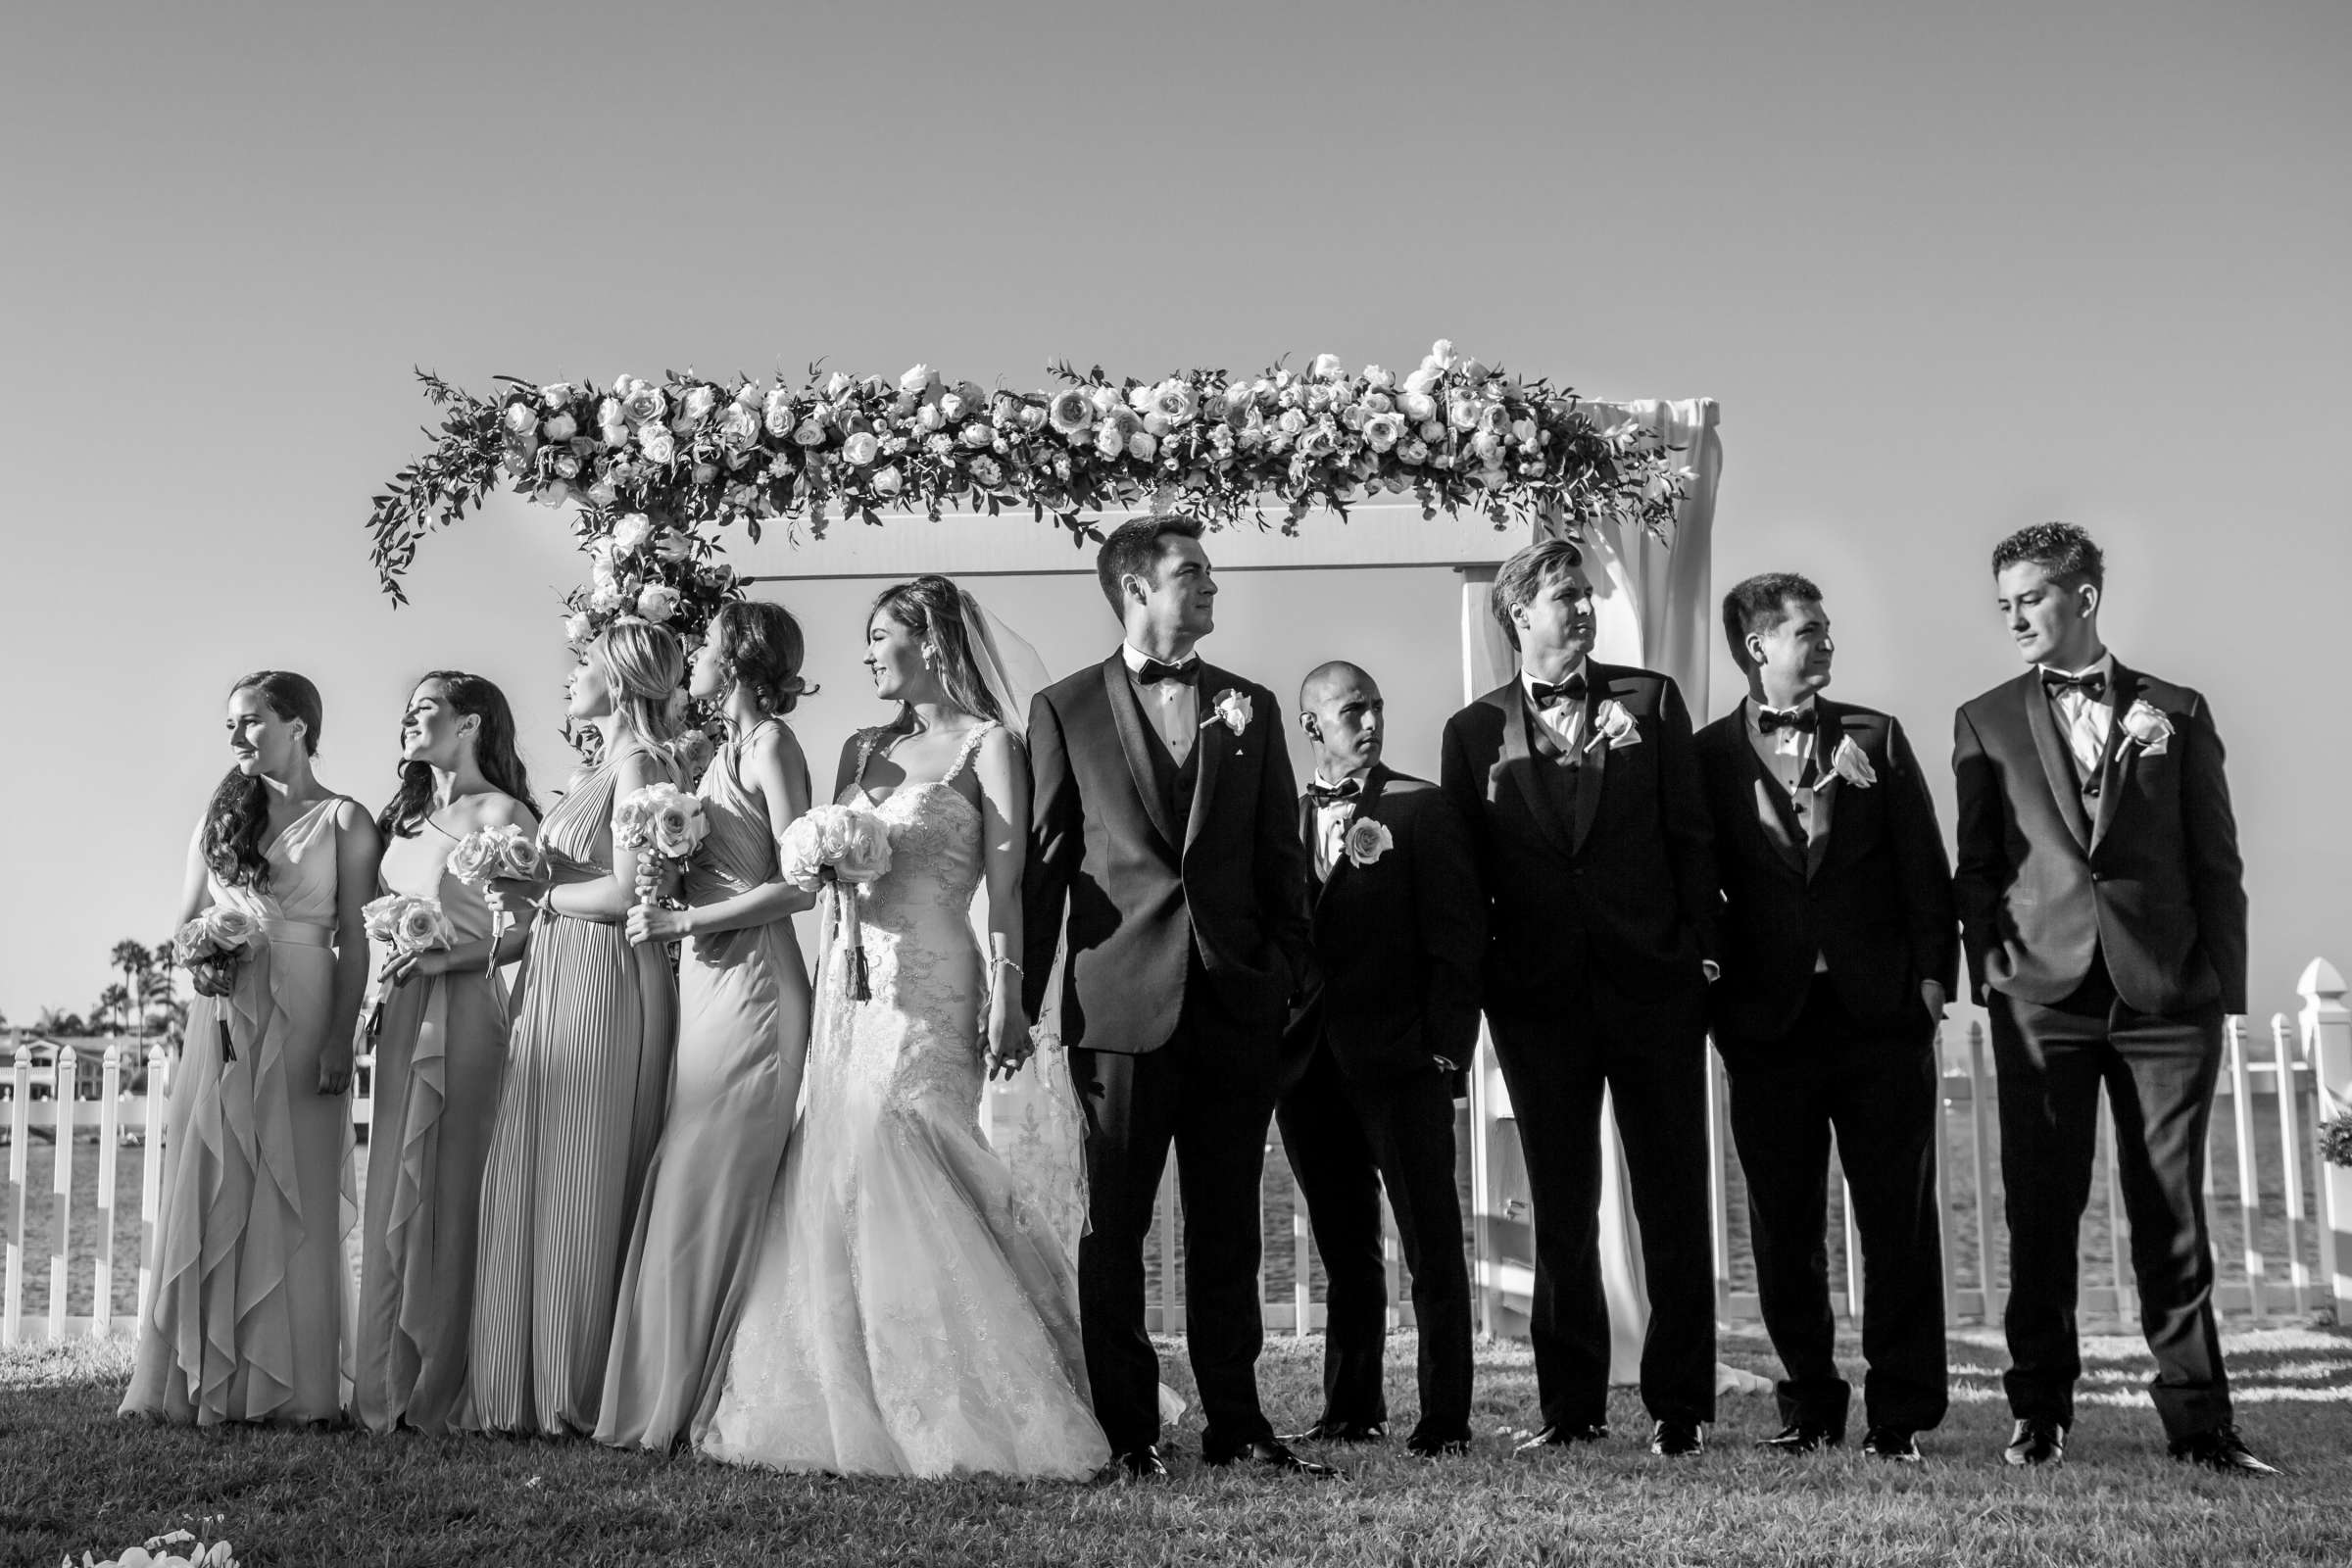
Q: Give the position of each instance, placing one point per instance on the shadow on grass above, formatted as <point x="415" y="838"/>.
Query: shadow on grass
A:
<point x="75" y="1478"/>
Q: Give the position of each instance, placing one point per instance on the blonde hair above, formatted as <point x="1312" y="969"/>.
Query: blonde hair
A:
<point x="644" y="667"/>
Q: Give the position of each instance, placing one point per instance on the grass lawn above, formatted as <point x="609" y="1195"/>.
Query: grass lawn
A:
<point x="73" y="1478"/>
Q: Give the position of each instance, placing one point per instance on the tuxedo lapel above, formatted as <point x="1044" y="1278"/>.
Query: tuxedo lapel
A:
<point x="1127" y="718"/>
<point x="1591" y="765"/>
<point x="1208" y="748"/>
<point x="2120" y="753"/>
<point x="1520" y="764"/>
<point x="2057" y="763"/>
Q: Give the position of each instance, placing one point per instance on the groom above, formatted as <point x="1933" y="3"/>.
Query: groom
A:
<point x="1163" y="822"/>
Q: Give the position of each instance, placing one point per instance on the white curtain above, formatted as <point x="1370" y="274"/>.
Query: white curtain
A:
<point x="1654" y="608"/>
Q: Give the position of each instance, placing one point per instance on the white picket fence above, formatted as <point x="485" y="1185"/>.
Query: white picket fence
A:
<point x="2272" y="1094"/>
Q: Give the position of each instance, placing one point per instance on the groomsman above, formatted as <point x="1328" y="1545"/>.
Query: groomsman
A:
<point x="1839" y="949"/>
<point x="1578" y="782"/>
<point x="1386" y="1037"/>
<point x="2103" y="907"/>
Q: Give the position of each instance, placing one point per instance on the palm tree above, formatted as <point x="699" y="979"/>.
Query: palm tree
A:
<point x="117" y="1001"/>
<point x="135" y="962"/>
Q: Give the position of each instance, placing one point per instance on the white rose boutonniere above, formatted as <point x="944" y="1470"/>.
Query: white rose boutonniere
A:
<point x="1366" y="841"/>
<point x="1232" y="710"/>
<point x="2145" y="723"/>
<point x="1613" y="726"/>
<point x="1853" y="764"/>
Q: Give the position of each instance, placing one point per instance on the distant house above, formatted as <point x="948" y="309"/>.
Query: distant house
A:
<point x="89" y="1063"/>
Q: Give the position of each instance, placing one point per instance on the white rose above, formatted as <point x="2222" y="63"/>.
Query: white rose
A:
<point x="1383" y="431"/>
<point x="606" y="598"/>
<point x="918" y="378"/>
<point x="658" y="603"/>
<point x="1109" y="442"/>
<point x="1104" y="397"/>
<point x="567" y="465"/>
<point x="860" y="449"/>
<point x="1327" y="368"/>
<point x="1420" y="381"/>
<point x="810" y="432"/>
<point x="952" y="406"/>
<point x="630" y="533"/>
<point x="1175" y="401"/>
<point x="642" y="403"/>
<point x="977" y="435"/>
<point x="1442" y="353"/>
<point x="1142" y="445"/>
<point x="1415" y="451"/>
<point x="563" y="427"/>
<point x="657" y="443"/>
<point x="1377" y="378"/>
<point x="604" y="493"/>
<point x="577" y="627"/>
<point x="520" y="419"/>
<point x="699" y="404"/>
<point x="888" y="481"/>
<point x="1476" y="369"/>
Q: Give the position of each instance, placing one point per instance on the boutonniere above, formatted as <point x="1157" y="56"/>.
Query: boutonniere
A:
<point x="1231" y="708"/>
<point x="1613" y="726"/>
<point x="2145" y="723"/>
<point x="1853" y="764"/>
<point x="1366" y="841"/>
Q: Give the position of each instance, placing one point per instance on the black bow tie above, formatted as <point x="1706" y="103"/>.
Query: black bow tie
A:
<point x="1547" y="694"/>
<point x="1347" y="789"/>
<point x="1152" y="671"/>
<point x="1805" y="720"/>
<point x="2093" y="685"/>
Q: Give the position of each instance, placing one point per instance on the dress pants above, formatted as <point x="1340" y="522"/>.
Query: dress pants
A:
<point x="1136" y="1107"/>
<point x="2159" y="1074"/>
<point x="1651" y="1057"/>
<point x="1345" y="1136"/>
<point x="1876" y="1087"/>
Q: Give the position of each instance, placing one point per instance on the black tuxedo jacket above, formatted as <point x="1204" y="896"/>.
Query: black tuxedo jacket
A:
<point x="1873" y="896"/>
<point x="1399" y="941"/>
<point x="1144" y="892"/>
<point x="2147" y="873"/>
<point x="1605" y="872"/>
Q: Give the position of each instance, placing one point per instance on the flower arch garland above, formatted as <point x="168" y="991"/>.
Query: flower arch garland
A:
<point x="661" y="470"/>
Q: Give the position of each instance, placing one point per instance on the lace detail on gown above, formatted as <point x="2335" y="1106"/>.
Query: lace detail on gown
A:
<point x="912" y="1312"/>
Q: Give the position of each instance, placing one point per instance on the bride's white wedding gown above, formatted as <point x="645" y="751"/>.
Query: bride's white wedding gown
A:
<point x="912" y="1311"/>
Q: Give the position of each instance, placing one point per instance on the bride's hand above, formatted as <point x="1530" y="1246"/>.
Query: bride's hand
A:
<point x="649" y="923"/>
<point x="1008" y="1043"/>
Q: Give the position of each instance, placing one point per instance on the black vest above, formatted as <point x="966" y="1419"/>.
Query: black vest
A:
<point x="1175" y="781"/>
<point x="1561" y="774"/>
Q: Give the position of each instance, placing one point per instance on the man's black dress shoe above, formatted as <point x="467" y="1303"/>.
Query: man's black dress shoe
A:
<point x="1563" y="1437"/>
<point x="1892" y="1444"/>
<point x="1431" y="1445"/>
<point x="1339" y="1431"/>
<point x="2222" y="1450"/>
<point x="1263" y="1454"/>
<point x="1802" y="1437"/>
<point x="1678" y="1439"/>
<point x="1137" y="1464"/>
<point x="2035" y="1443"/>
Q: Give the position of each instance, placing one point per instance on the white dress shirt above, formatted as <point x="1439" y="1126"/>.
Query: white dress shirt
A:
<point x="1785" y="754"/>
<point x="1332" y="819"/>
<point x="2084" y="720"/>
<point x="1171" y="706"/>
<point x="1564" y="723"/>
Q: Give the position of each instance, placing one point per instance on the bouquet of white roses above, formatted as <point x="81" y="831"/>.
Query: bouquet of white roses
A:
<point x="837" y="848"/>
<point x="210" y="948"/>
<point x="177" y="1550"/>
<point x="489" y="852"/>
<point x="211" y="945"/>
<point x="664" y="824"/>
<point x="407" y="923"/>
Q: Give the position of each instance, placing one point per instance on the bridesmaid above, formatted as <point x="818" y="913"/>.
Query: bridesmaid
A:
<point x="251" y="1289"/>
<point x="438" y="1052"/>
<point x="742" y="1037"/>
<point x="587" y="1066"/>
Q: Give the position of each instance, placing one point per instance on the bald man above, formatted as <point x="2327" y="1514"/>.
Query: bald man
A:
<point x="1382" y="1045"/>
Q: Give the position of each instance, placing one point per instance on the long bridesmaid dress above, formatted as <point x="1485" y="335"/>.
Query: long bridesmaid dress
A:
<point x="252" y="1296"/>
<point x="438" y="1057"/>
<point x="587" y="1070"/>
<point x="742" y="1038"/>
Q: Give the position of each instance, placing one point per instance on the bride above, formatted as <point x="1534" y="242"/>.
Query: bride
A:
<point x="913" y="1310"/>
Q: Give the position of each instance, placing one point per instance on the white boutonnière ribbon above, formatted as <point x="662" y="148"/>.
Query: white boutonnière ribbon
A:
<point x="1232" y="710"/>
<point x="1613" y="726"/>
<point x="1853" y="764"/>
<point x="2145" y="723"/>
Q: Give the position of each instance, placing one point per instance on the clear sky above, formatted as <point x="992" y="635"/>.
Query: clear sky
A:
<point x="1948" y="270"/>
